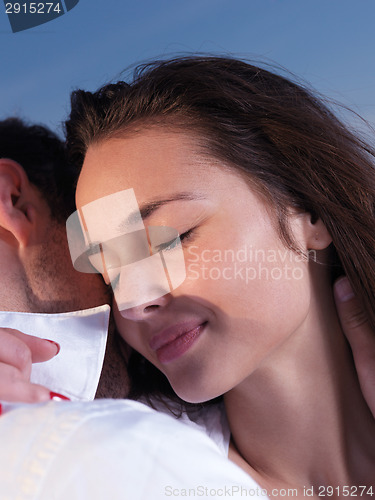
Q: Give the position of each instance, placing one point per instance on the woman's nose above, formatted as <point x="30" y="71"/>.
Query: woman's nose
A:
<point x="147" y="310"/>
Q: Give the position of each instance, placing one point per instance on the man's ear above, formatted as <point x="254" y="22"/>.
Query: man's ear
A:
<point x="16" y="210"/>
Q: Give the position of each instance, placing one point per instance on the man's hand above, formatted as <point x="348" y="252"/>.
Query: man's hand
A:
<point x="17" y="353"/>
<point x="360" y="336"/>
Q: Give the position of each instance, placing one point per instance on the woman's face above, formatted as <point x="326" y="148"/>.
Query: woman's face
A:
<point x="244" y="294"/>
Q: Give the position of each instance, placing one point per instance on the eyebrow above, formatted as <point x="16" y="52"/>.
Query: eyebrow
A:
<point x="147" y="209"/>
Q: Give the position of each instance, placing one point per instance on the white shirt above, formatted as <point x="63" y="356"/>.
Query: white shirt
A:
<point x="211" y="419"/>
<point x="113" y="450"/>
<point x="82" y="336"/>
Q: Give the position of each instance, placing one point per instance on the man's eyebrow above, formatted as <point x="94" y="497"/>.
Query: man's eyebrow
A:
<point x="149" y="208"/>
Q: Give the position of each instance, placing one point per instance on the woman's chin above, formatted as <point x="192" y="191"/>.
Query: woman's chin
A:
<point x="195" y="394"/>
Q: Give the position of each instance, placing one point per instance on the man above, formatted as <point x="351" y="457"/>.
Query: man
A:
<point x="36" y="274"/>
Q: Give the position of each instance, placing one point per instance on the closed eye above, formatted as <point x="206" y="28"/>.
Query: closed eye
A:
<point x="173" y="243"/>
<point x="162" y="247"/>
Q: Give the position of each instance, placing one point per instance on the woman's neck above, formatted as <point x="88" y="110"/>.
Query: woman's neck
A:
<point x="300" y="419"/>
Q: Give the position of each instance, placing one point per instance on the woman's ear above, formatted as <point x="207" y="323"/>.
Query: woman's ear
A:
<point x="15" y="208"/>
<point x="310" y="231"/>
<point x="317" y="235"/>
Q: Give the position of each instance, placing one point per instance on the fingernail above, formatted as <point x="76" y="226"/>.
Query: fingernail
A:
<point x="58" y="397"/>
<point x="54" y="343"/>
<point x="1" y="409"/>
<point x="343" y="289"/>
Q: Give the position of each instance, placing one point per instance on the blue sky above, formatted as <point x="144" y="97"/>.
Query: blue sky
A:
<point x="329" y="43"/>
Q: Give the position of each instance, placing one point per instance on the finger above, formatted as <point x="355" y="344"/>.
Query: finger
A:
<point x="25" y="392"/>
<point x="14" y="388"/>
<point x="15" y="354"/>
<point x="20" y="350"/>
<point x="353" y="317"/>
<point x="360" y="335"/>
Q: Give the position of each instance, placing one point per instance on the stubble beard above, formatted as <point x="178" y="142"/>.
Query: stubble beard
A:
<point x="48" y="278"/>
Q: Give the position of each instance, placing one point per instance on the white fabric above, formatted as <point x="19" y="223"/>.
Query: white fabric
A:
<point x="213" y="420"/>
<point x="82" y="336"/>
<point x="117" y="450"/>
<point x="210" y="419"/>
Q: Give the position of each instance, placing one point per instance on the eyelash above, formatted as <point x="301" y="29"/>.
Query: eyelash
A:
<point x="171" y="244"/>
<point x="187" y="235"/>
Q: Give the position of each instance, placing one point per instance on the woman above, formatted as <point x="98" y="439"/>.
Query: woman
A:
<point x="273" y="198"/>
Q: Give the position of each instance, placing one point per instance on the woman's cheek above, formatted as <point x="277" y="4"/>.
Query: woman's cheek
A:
<point x="240" y="283"/>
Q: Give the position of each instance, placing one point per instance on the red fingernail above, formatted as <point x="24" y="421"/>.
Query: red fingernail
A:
<point x="58" y="397"/>
<point x="1" y="409"/>
<point x="54" y="343"/>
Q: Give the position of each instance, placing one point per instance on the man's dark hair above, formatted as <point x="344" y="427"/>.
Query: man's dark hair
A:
<point x="42" y="155"/>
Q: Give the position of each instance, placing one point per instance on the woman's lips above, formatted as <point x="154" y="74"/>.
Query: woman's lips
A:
<point x="174" y="341"/>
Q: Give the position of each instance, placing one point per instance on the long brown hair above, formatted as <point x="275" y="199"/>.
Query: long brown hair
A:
<point x="287" y="141"/>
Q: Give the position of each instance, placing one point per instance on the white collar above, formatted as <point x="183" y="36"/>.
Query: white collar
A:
<point x="82" y="336"/>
